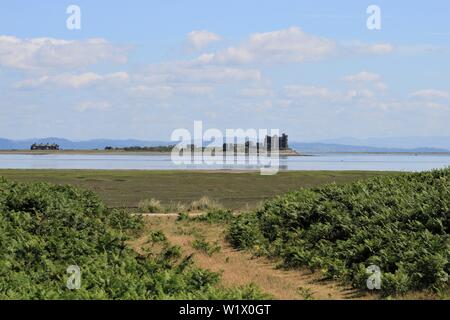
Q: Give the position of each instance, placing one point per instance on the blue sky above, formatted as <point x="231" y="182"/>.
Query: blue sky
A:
<point x="140" y="69"/>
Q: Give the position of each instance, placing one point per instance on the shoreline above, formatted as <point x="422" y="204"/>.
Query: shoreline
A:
<point x="291" y="153"/>
<point x="116" y="152"/>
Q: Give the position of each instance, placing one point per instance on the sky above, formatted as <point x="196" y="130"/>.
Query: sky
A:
<point x="141" y="69"/>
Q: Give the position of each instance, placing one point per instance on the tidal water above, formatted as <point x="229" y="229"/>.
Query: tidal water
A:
<point x="371" y="162"/>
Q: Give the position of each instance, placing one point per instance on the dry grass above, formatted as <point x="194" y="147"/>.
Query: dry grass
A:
<point x="204" y="204"/>
<point x="150" y="206"/>
<point x="155" y="206"/>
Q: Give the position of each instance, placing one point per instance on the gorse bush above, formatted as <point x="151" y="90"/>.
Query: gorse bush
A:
<point x="46" y="228"/>
<point x="399" y="223"/>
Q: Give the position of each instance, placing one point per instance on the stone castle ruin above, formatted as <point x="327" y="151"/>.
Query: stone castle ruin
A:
<point x="270" y="143"/>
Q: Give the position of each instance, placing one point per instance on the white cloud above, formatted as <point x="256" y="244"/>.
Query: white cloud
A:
<point x="288" y="45"/>
<point x="193" y="71"/>
<point x="375" y="48"/>
<point x="362" y="82"/>
<point x="362" y="93"/>
<point x="200" y="39"/>
<point x="431" y="93"/>
<point x="44" y="53"/>
<point x="291" y="45"/>
<point x="93" y="105"/>
<point x="75" y="81"/>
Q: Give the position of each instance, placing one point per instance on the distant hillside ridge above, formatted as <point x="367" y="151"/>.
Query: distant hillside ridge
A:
<point x="301" y="147"/>
<point x="328" y="147"/>
<point x="6" y="144"/>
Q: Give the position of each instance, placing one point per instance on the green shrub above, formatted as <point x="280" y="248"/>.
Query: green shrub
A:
<point x="45" y="228"/>
<point x="206" y="247"/>
<point x="183" y="216"/>
<point x="398" y="222"/>
<point x="216" y="216"/>
<point x="244" y="232"/>
<point x="158" y="237"/>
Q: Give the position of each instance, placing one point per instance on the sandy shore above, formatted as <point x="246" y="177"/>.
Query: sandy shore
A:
<point x="112" y="152"/>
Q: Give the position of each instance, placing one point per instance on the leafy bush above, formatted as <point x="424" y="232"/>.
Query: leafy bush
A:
<point x="400" y="223"/>
<point x="157" y="237"/>
<point x="183" y="216"/>
<point x="45" y="228"/>
<point x="216" y="216"/>
<point x="204" y="246"/>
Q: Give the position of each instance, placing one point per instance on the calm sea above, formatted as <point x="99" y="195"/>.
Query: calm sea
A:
<point x="374" y="162"/>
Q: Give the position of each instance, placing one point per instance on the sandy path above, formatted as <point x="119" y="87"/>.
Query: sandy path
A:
<point x="240" y="268"/>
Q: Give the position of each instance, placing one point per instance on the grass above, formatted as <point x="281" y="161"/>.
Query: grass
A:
<point x="204" y="203"/>
<point x="234" y="190"/>
<point x="150" y="206"/>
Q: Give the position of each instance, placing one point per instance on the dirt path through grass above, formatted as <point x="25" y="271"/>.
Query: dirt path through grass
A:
<point x="239" y="267"/>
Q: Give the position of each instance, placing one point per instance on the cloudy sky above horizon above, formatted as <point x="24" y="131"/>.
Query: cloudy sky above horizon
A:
<point x="140" y="69"/>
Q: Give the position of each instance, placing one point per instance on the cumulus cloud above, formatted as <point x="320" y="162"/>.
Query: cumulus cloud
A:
<point x="288" y="45"/>
<point x="75" y="81"/>
<point x="291" y="45"/>
<point x="44" y="53"/>
<point x="323" y="94"/>
<point x="431" y="93"/>
<point x="365" y="79"/>
<point x="360" y="93"/>
<point x="374" y="48"/>
<point x="200" y="39"/>
<point x="194" y="72"/>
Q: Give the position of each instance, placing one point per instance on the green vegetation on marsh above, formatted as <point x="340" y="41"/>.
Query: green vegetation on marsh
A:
<point x="234" y="190"/>
<point x="399" y="223"/>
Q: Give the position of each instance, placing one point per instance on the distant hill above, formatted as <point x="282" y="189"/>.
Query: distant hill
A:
<point x="438" y="142"/>
<point x="302" y="147"/>
<point x="328" y="147"/>
<point x="6" y="144"/>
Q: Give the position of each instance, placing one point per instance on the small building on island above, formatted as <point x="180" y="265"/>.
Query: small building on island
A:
<point x="44" y="146"/>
